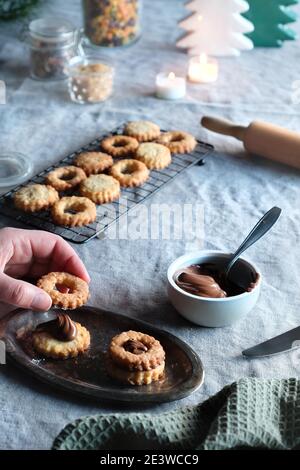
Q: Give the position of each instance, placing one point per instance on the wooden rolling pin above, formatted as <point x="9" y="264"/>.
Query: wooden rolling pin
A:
<point x="261" y="138"/>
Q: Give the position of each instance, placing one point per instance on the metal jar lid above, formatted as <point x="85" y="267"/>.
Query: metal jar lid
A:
<point x="15" y="168"/>
<point x="52" y="30"/>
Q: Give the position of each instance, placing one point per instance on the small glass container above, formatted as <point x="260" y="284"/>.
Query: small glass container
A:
<point x="90" y="79"/>
<point x="111" y="23"/>
<point x="15" y="168"/>
<point x="53" y="42"/>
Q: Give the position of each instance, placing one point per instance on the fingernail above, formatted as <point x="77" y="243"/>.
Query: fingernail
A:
<point x="41" y="302"/>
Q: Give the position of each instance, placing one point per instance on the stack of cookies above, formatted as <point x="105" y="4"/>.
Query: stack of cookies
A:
<point x="135" y="358"/>
<point x="122" y="161"/>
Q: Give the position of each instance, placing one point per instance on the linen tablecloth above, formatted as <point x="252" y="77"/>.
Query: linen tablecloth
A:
<point x="234" y="190"/>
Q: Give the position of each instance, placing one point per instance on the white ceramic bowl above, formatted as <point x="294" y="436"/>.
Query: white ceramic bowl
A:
<point x="209" y="311"/>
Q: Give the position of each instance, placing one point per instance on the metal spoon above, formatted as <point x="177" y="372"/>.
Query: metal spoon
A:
<point x="260" y="229"/>
<point x="240" y="279"/>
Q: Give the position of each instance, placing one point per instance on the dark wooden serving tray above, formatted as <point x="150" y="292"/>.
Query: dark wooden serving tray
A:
<point x="86" y="375"/>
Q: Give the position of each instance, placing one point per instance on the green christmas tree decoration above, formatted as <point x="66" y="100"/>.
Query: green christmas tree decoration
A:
<point x="270" y="19"/>
<point x="12" y="9"/>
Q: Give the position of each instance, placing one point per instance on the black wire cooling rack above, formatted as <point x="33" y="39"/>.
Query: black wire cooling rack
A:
<point x="107" y="214"/>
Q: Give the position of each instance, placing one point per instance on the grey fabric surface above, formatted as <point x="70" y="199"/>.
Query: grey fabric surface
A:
<point x="129" y="276"/>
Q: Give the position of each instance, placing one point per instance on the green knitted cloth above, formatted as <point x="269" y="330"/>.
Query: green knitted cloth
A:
<point x="263" y="414"/>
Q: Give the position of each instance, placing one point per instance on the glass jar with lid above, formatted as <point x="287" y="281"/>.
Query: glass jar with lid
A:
<point x="53" y="42"/>
<point x="111" y="23"/>
<point x="90" y="79"/>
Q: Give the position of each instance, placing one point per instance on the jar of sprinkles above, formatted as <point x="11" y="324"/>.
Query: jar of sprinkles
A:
<point x="112" y="23"/>
<point x="53" y="43"/>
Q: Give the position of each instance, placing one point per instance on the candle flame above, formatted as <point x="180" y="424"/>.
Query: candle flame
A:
<point x="200" y="17"/>
<point x="171" y="75"/>
<point x="203" y="58"/>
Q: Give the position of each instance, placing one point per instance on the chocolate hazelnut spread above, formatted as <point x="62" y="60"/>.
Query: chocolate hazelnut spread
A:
<point x="206" y="281"/>
<point x="135" y="346"/>
<point x="61" y="328"/>
<point x="199" y="281"/>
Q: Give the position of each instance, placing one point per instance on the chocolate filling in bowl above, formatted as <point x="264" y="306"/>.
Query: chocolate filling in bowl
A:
<point x="208" y="280"/>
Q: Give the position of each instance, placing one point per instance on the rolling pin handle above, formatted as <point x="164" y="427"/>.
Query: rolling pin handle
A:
<point x="222" y="126"/>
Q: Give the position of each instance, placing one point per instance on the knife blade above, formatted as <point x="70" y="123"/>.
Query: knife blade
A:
<point x="279" y="344"/>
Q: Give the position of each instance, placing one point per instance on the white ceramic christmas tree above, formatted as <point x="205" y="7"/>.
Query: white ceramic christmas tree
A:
<point x="216" y="27"/>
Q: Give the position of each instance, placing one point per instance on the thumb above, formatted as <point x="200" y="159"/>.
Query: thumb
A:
<point x="22" y="294"/>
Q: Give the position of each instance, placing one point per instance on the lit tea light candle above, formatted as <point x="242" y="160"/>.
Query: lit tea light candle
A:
<point x="203" y="69"/>
<point x="170" y="87"/>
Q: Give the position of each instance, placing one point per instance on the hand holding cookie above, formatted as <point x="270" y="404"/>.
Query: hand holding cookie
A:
<point x="32" y="254"/>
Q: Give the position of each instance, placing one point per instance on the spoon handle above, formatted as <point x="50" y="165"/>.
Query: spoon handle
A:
<point x="262" y="227"/>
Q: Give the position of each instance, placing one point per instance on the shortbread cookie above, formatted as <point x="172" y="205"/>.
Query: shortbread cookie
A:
<point x="155" y="156"/>
<point x="120" y="145"/>
<point x="130" y="173"/>
<point x="100" y="188"/>
<point x="135" y="377"/>
<point x="65" y="177"/>
<point x="93" y="162"/>
<point x="51" y="339"/>
<point x="74" y="211"/>
<point x="77" y="289"/>
<point x="35" y="197"/>
<point x="178" y="141"/>
<point x="143" y="131"/>
<point x="137" y="351"/>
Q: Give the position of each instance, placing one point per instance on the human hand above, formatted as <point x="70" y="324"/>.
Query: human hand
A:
<point x="32" y="253"/>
